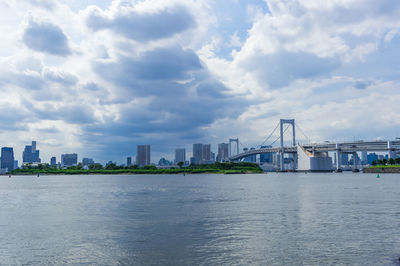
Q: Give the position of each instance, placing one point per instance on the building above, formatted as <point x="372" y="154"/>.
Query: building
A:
<point x="372" y="157"/>
<point x="266" y="157"/>
<point x="87" y="161"/>
<point x="180" y="155"/>
<point x="15" y="164"/>
<point x="364" y="159"/>
<point x="344" y="159"/>
<point x="30" y="154"/>
<point x="69" y="159"/>
<point x="7" y="158"/>
<point x="223" y="152"/>
<point x="198" y="153"/>
<point x="53" y="161"/>
<point x="206" y="152"/>
<point x="143" y="155"/>
<point x="164" y="162"/>
<point x="128" y="161"/>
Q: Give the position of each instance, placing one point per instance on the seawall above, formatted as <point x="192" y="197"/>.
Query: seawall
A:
<point x="392" y="170"/>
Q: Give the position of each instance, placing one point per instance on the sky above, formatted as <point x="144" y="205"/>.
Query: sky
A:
<point x="100" y="77"/>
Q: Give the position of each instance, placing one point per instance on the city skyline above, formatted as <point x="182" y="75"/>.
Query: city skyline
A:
<point x="77" y="79"/>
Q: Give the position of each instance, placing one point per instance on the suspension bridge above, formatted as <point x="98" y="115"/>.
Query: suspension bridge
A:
<point x="313" y="156"/>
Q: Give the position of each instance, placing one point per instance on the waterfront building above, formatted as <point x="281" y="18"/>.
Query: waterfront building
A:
<point x="223" y="152"/>
<point x="212" y="158"/>
<point x="192" y="160"/>
<point x="206" y="153"/>
<point x="180" y="155"/>
<point x="53" y="161"/>
<point x="364" y="159"/>
<point x="266" y="157"/>
<point x="198" y="153"/>
<point x="7" y="158"/>
<point x="30" y="154"/>
<point x="164" y="162"/>
<point x="69" y="159"/>
<point x="87" y="161"/>
<point x="129" y="161"/>
<point x="15" y="164"/>
<point x="344" y="159"/>
<point x="372" y="157"/>
<point x="143" y="155"/>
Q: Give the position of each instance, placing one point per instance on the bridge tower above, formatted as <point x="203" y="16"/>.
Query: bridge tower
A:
<point x="236" y="141"/>
<point x="290" y="122"/>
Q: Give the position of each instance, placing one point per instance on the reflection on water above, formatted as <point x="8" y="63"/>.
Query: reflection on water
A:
<point x="281" y="219"/>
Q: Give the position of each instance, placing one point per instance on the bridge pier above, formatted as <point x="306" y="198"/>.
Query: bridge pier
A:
<point x="337" y="157"/>
<point x="355" y="161"/>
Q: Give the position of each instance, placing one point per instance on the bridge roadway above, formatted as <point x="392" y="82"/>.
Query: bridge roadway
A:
<point x="345" y="147"/>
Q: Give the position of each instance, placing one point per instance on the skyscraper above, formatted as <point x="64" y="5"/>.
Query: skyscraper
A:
<point x="180" y="155"/>
<point x="87" y="161"/>
<point x="7" y="158"/>
<point x="206" y="152"/>
<point x="128" y="161"/>
<point x="223" y="152"/>
<point x="198" y="153"/>
<point x="143" y="155"/>
<point x="266" y="157"/>
<point x="69" y="159"/>
<point x="30" y="154"/>
<point x="53" y="161"/>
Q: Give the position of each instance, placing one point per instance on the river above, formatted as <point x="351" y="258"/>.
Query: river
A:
<point x="259" y="219"/>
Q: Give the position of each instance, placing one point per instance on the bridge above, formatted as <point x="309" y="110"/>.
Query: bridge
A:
<point x="315" y="156"/>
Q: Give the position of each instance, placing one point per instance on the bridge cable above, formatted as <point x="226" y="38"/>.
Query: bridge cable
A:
<point x="308" y="138"/>
<point x="287" y="126"/>
<point x="270" y="135"/>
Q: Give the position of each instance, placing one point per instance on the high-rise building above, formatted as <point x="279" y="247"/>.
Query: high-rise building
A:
<point x="30" y="154"/>
<point x="223" y="152"/>
<point x="364" y="159"/>
<point x="344" y="159"/>
<point x="53" y="161"/>
<point x="87" y="161"/>
<point x="15" y="164"/>
<point x="180" y="155"/>
<point x="143" y="155"/>
<point x="372" y="157"/>
<point x="7" y="158"/>
<point x="128" y="161"/>
<point x="206" y="152"/>
<point x="266" y="157"/>
<point x="69" y="159"/>
<point x="198" y="153"/>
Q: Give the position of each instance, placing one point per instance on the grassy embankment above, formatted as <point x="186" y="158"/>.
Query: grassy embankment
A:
<point x="217" y="168"/>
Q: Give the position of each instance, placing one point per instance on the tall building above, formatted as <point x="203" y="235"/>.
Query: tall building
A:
<point x="344" y="159"/>
<point x="128" y="161"/>
<point x="143" y="155"/>
<point x="198" y="153"/>
<point x="180" y="155"/>
<point x="69" y="159"/>
<point x="7" y="158"/>
<point x="30" y="154"/>
<point x="206" y="153"/>
<point x="87" y="161"/>
<point x="266" y="157"/>
<point x="53" y="161"/>
<point x="223" y="152"/>
<point x="364" y="158"/>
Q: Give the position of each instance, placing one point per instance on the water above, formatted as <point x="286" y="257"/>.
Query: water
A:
<point x="268" y="219"/>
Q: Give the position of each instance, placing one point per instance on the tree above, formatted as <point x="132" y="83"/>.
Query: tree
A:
<point x="391" y="161"/>
<point x="374" y="162"/>
<point x="180" y="164"/>
<point x="384" y="161"/>
<point x="397" y="160"/>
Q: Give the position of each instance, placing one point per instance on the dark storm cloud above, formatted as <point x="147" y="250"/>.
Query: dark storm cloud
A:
<point x="143" y="26"/>
<point x="280" y="69"/>
<point x="46" y="37"/>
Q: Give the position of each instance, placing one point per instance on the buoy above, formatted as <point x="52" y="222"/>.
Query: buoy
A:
<point x="9" y="176"/>
<point x="377" y="173"/>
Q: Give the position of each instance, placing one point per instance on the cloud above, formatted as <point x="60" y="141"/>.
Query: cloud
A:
<point x="146" y="75"/>
<point x="46" y="37"/>
<point x="140" y="25"/>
